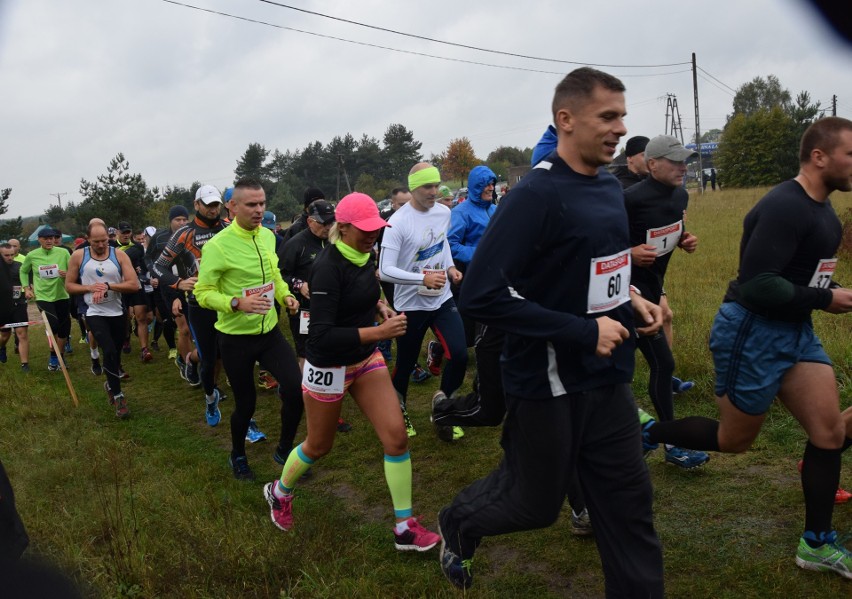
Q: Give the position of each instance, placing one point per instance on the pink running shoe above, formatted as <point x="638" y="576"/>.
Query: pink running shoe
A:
<point x="416" y="538"/>
<point x="280" y="510"/>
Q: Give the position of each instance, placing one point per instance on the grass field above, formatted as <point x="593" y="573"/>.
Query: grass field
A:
<point x="148" y="507"/>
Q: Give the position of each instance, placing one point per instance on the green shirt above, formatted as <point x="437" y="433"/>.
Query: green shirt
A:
<point x="44" y="266"/>
<point x="238" y="263"/>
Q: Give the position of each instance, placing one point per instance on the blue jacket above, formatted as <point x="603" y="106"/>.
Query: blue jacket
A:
<point x="469" y="219"/>
<point x="545" y="145"/>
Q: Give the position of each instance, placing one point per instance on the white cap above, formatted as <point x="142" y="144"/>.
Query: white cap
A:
<point x="208" y="194"/>
<point x="149" y="231"/>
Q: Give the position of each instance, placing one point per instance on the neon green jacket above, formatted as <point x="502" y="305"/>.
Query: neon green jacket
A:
<point x="47" y="286"/>
<point x="234" y="263"/>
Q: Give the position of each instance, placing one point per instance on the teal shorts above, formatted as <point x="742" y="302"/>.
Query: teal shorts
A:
<point x="751" y="354"/>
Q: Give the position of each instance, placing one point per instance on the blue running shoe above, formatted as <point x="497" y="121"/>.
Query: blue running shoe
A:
<point x="53" y="364"/>
<point x="686" y="458"/>
<point x="240" y="468"/>
<point x="253" y="434"/>
<point x="385" y="347"/>
<point x="646" y="421"/>
<point x="419" y="374"/>
<point x="68" y="348"/>
<point x="212" y="412"/>
<point x="455" y="568"/>
<point x="191" y="372"/>
<point x="679" y="386"/>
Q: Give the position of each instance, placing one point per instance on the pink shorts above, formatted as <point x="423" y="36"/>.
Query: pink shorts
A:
<point x="374" y="362"/>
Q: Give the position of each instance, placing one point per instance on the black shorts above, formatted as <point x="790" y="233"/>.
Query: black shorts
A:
<point x="19" y="314"/>
<point x="137" y="298"/>
<point x="299" y="340"/>
<point x="58" y="316"/>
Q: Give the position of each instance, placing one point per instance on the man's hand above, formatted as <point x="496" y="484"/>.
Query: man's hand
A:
<point x="155" y="283"/>
<point x="611" y="334"/>
<point x="688" y="242"/>
<point x="435" y="280"/>
<point x="455" y="275"/>
<point x="841" y="301"/>
<point x="647" y="313"/>
<point x="643" y="255"/>
<point x="258" y="304"/>
<point x="292" y="304"/>
<point x="28" y="293"/>
<point x="384" y="310"/>
<point x="62" y="273"/>
<point x="305" y="290"/>
<point x="177" y="307"/>
<point x="187" y="284"/>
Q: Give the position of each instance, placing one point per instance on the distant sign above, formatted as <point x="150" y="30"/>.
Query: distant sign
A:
<point x="706" y="148"/>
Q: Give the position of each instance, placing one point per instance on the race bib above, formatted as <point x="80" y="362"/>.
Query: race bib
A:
<point x="16" y="292"/>
<point x="48" y="271"/>
<point x="665" y="239"/>
<point x="423" y="290"/>
<point x="823" y="273"/>
<point x="304" y="321"/>
<point x="267" y="290"/>
<point x="609" y="282"/>
<point x="324" y="380"/>
<point x="148" y="288"/>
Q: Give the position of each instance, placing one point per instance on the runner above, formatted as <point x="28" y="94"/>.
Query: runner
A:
<point x="342" y="356"/>
<point x="42" y="277"/>
<point x="184" y="252"/>
<point x="636" y="169"/>
<point x="240" y="280"/>
<point x="656" y="212"/>
<point x="138" y="303"/>
<point x="300" y="224"/>
<point x="104" y="274"/>
<point x="552" y="271"/>
<point x="18" y="313"/>
<point x="416" y="257"/>
<point x="763" y="341"/>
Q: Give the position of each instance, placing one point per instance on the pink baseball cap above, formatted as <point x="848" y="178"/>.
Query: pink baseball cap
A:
<point x="360" y="210"/>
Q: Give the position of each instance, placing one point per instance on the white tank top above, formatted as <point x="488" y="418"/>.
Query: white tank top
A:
<point x="94" y="271"/>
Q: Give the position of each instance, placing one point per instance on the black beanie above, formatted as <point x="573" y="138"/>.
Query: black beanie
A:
<point x="635" y="145"/>
<point x="177" y="211"/>
<point x="311" y="194"/>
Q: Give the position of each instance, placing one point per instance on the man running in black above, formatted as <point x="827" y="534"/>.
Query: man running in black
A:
<point x="552" y="270"/>
<point x="763" y="341"/>
<point x="656" y="211"/>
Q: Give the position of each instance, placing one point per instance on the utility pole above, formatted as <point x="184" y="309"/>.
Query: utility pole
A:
<point x="834" y="105"/>
<point x="675" y="130"/>
<point x="59" y="197"/>
<point x="697" y="126"/>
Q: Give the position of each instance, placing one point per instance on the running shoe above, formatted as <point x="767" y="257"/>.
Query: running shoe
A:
<point x="122" y="374"/>
<point x="126" y="346"/>
<point x="581" y="524"/>
<point x="280" y="510"/>
<point x="83" y="340"/>
<point x="266" y="380"/>
<point x="253" y="434"/>
<point x="181" y="365"/>
<point x="212" y="413"/>
<point x="343" y="426"/>
<point x="155" y="345"/>
<point x="222" y="396"/>
<point x="25" y="368"/>
<point x="418" y="375"/>
<point x="110" y="396"/>
<point x="415" y="538"/>
<point x="385" y="347"/>
<point x="444" y="432"/>
<point x="840" y="495"/>
<point x="3" y="356"/>
<point x="679" y="386"/>
<point x="53" y="364"/>
<point x="831" y="556"/>
<point x="173" y="355"/>
<point x="646" y="421"/>
<point x="145" y="355"/>
<point x="68" y="348"/>
<point x="409" y="428"/>
<point x="434" y="358"/>
<point x="96" y="367"/>
<point x="457" y="570"/>
<point x="121" y="410"/>
<point x="686" y="459"/>
<point x="191" y="372"/>
<point x="240" y="468"/>
<point x="458" y="433"/>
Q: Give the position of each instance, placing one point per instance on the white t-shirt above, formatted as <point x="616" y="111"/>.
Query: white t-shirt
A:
<point x="419" y="240"/>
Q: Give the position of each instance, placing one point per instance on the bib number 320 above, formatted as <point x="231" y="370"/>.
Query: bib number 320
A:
<point x="324" y="379"/>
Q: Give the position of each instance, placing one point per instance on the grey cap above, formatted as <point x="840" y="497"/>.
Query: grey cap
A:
<point x="666" y="146"/>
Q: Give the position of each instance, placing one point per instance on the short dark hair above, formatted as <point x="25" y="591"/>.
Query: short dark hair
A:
<point x="579" y="84"/>
<point x="247" y="183"/>
<point x="6" y="245"/>
<point x="397" y="190"/>
<point x="824" y="135"/>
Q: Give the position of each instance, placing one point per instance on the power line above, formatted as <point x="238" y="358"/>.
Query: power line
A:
<point x="719" y="81"/>
<point x="437" y="41"/>
<point x="711" y="82"/>
<point x="412" y="52"/>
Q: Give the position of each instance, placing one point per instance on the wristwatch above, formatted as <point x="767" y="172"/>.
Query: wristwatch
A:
<point x="235" y="303"/>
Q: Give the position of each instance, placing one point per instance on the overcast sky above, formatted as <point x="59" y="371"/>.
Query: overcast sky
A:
<point x="183" y="92"/>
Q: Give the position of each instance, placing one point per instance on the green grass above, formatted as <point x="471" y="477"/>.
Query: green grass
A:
<point x="148" y="508"/>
